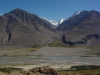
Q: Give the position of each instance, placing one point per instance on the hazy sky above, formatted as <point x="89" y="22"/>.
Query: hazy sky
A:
<point x="51" y="9"/>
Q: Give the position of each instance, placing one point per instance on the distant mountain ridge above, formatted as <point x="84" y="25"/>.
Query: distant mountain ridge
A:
<point x="21" y="28"/>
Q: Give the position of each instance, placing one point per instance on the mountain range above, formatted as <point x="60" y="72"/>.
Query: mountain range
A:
<point x="21" y="28"/>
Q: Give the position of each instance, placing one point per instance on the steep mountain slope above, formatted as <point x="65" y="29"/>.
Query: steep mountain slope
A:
<point x="79" y="26"/>
<point x="24" y="29"/>
<point x="3" y="34"/>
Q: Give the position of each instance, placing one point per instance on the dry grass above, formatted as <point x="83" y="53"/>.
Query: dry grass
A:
<point x="80" y="72"/>
<point x="16" y="73"/>
<point x="18" y="52"/>
<point x="1" y="73"/>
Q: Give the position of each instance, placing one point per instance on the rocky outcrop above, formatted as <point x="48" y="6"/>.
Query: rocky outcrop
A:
<point x="46" y="70"/>
<point x="35" y="71"/>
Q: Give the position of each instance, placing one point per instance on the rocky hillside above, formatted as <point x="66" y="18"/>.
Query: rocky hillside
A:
<point x="79" y="26"/>
<point x="21" y="28"/>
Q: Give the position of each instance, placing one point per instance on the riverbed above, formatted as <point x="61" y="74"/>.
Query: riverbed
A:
<point x="56" y="56"/>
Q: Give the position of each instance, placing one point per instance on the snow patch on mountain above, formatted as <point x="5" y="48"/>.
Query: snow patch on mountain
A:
<point x="76" y="13"/>
<point x="53" y="22"/>
<point x="61" y="20"/>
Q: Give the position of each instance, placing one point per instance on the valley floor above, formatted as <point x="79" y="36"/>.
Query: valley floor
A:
<point x="56" y="57"/>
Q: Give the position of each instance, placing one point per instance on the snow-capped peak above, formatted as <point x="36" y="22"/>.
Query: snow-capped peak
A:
<point x="53" y="22"/>
<point x="61" y="20"/>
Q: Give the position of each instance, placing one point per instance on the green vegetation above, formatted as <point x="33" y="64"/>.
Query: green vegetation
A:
<point x="57" y="44"/>
<point x="15" y="55"/>
<point x="61" y="44"/>
<point x="9" y="69"/>
<point x="85" y="67"/>
<point x="30" y="49"/>
<point x="19" y="51"/>
<point x="79" y="72"/>
<point x="34" y="48"/>
<point x="93" y="47"/>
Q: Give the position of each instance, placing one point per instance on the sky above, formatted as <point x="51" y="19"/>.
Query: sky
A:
<point x="51" y="9"/>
